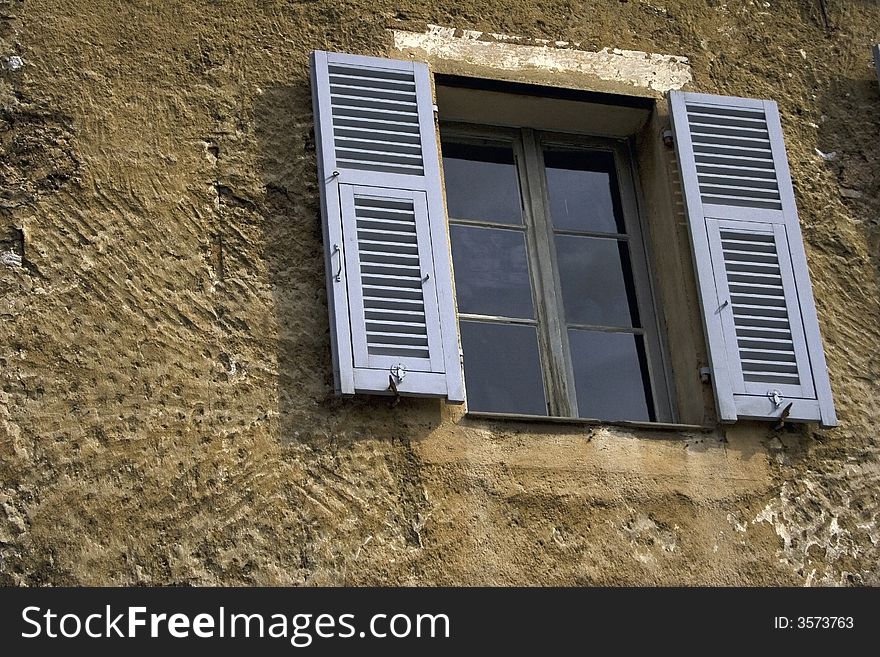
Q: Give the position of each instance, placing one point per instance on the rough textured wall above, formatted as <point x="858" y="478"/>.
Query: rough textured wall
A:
<point x="166" y="405"/>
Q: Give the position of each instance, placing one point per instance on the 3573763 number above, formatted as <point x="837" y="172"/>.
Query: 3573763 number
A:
<point x="824" y="622"/>
<point x="813" y="622"/>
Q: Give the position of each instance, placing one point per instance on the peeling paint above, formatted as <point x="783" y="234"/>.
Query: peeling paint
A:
<point x="10" y="259"/>
<point x="13" y="62"/>
<point x="739" y="526"/>
<point x="633" y="67"/>
<point x="805" y="517"/>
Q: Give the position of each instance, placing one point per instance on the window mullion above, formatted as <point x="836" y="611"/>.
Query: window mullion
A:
<point x="559" y="376"/>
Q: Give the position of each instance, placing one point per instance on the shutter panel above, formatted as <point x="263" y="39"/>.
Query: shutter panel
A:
<point x="757" y="302"/>
<point x="389" y="279"/>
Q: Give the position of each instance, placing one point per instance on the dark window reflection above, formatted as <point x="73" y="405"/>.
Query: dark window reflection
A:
<point x="502" y="368"/>
<point x="597" y="285"/>
<point x="582" y="187"/>
<point x="611" y="376"/>
<point x="491" y="272"/>
<point x="481" y="183"/>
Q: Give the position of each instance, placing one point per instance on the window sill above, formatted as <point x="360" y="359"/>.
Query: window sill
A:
<point x="546" y="419"/>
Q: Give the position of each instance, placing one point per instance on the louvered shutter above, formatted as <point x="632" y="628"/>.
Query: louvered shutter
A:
<point x="389" y="280"/>
<point x="758" y="312"/>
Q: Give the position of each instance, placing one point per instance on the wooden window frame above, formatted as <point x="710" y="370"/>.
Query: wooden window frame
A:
<point x="537" y="227"/>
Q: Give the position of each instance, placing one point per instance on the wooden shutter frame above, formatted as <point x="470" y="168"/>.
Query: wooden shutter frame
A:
<point x="731" y="408"/>
<point x="349" y="379"/>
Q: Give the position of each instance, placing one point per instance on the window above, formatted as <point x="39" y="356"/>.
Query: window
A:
<point x="554" y="294"/>
<point x="555" y="308"/>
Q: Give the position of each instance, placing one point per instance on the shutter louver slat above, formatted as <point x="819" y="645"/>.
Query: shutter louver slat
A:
<point x="744" y="193"/>
<point x="352" y="88"/>
<point x="388" y="269"/>
<point x="734" y="165"/>
<point x="747" y="173"/>
<point x="370" y="158"/>
<point x="758" y="312"/>
<point x="379" y="166"/>
<point x="748" y="182"/>
<point x="366" y="144"/>
<point x="378" y="126"/>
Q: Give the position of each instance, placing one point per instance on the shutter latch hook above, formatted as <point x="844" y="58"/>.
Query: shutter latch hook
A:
<point x="398" y="372"/>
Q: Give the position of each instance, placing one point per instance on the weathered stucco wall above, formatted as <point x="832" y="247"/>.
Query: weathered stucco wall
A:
<point x="166" y="404"/>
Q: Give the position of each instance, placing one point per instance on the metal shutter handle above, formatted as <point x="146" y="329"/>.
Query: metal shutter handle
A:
<point x="338" y="276"/>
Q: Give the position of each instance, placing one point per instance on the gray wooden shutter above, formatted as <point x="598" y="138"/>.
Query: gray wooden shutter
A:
<point x="763" y="335"/>
<point x="389" y="279"/>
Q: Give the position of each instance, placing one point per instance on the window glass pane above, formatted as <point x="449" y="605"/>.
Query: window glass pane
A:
<point x="582" y="187"/>
<point x="481" y="183"/>
<point x="491" y="272"/>
<point x="502" y="370"/>
<point x="611" y="376"/>
<point x="597" y="285"/>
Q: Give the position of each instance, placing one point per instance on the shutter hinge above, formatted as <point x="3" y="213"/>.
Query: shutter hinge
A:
<point x="436" y="109"/>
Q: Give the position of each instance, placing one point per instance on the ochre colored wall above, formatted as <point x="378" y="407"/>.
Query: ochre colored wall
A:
<point x="166" y="403"/>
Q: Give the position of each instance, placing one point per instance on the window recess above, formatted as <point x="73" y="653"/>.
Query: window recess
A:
<point x="554" y="297"/>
